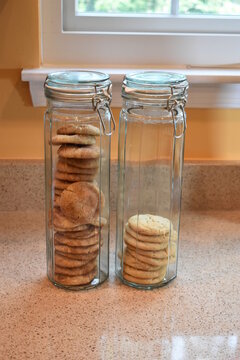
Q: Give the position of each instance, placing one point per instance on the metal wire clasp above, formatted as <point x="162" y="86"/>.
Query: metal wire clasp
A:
<point x="103" y="104"/>
<point x="171" y="106"/>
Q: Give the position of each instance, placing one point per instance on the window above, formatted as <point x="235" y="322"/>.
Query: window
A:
<point x="118" y="40"/>
<point x="199" y="38"/>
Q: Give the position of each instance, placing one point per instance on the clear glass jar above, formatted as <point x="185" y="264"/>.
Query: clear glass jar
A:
<point x="150" y="161"/>
<point x="78" y="125"/>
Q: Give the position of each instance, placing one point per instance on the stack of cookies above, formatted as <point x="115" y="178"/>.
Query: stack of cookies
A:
<point x="77" y="205"/>
<point x="147" y="252"/>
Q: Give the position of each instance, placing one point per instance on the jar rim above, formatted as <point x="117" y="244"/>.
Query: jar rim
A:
<point x="165" y="89"/>
<point x="77" y="85"/>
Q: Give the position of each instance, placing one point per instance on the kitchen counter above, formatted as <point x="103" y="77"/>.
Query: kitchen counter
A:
<point x="197" y="316"/>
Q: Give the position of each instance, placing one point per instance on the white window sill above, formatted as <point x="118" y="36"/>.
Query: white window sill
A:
<point x="209" y="88"/>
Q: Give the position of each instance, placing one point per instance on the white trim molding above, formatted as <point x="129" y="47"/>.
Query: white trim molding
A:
<point x="209" y="88"/>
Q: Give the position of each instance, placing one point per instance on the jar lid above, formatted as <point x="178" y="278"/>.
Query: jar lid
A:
<point x="156" y="87"/>
<point x="71" y="86"/>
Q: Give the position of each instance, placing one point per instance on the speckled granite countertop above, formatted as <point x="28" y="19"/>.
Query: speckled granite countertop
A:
<point x="197" y="316"/>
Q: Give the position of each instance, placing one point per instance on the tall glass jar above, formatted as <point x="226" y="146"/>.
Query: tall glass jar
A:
<point x="78" y="125"/>
<point x="150" y="161"/>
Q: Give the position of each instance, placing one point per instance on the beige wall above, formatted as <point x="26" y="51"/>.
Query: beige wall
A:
<point x="211" y="134"/>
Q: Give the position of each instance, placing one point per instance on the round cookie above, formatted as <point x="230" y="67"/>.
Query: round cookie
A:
<point x="73" y="177"/>
<point x="63" y="240"/>
<point x="130" y="260"/>
<point x="77" y="249"/>
<point x="73" y="139"/>
<point x="61" y="260"/>
<point x="147" y="238"/>
<point x="148" y="224"/>
<point x="81" y="129"/>
<point x="61" y="223"/>
<point x="76" y="152"/>
<point x="159" y="254"/>
<point x="80" y="202"/>
<point x="82" y="163"/>
<point x="84" y="234"/>
<point x="85" y="269"/>
<point x="98" y="221"/>
<point x="153" y="261"/>
<point x="61" y="185"/>
<point x="63" y="166"/>
<point x="143" y="281"/>
<point x="143" y="274"/>
<point x="75" y="280"/>
<point x="133" y="242"/>
<point x="80" y="257"/>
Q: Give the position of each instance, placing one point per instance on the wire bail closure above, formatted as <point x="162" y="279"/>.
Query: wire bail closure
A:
<point x="180" y="104"/>
<point x="103" y="104"/>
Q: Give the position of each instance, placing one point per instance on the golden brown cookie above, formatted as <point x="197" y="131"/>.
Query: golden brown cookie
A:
<point x="73" y="177"/>
<point x="79" y="257"/>
<point x="148" y="224"/>
<point x="132" y="261"/>
<point x="61" y="223"/>
<point x="143" y="281"/>
<point x="79" y="202"/>
<point x="64" y="261"/>
<point x="73" y="139"/>
<point x="133" y="242"/>
<point x="63" y="240"/>
<point x="82" y="163"/>
<point x="147" y="238"/>
<point x="77" y="152"/>
<point x="160" y="261"/>
<point x="144" y="274"/>
<point x="91" y="231"/>
<point x="63" y="166"/>
<point x="75" y="280"/>
<point x="82" y="129"/>
<point x="61" y="185"/>
<point x="82" y="270"/>
<point x="77" y="249"/>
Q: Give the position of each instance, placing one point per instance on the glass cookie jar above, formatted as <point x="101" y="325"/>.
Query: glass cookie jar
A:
<point x="78" y="125"/>
<point x="150" y="160"/>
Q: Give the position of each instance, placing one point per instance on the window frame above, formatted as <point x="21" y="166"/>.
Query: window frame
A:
<point x="131" y="49"/>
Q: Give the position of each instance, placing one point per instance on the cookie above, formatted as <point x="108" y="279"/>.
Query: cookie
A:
<point x="79" y="202"/>
<point x="73" y="177"/>
<point x="57" y="191"/>
<point x="61" y="185"/>
<point x="81" y="129"/>
<point x="153" y="261"/>
<point x="98" y="221"/>
<point x="63" y="166"/>
<point x="63" y="240"/>
<point x="77" y="249"/>
<point x="61" y="223"/>
<point x="85" y="269"/>
<point x="76" y="152"/>
<point x="143" y="281"/>
<point x="151" y="238"/>
<point x="75" y="280"/>
<point x="133" y="242"/>
<point x="56" y="200"/>
<point x="81" y="163"/>
<point x="91" y="231"/>
<point x="79" y="257"/>
<point x="158" y="254"/>
<point x="73" y="139"/>
<point x="64" y="261"/>
<point x="132" y="261"/>
<point x="144" y="274"/>
<point x="149" y="224"/>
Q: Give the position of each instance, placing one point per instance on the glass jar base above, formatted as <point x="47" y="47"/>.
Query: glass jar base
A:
<point x="93" y="284"/>
<point x="164" y="282"/>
